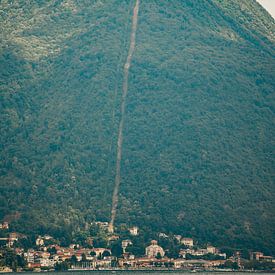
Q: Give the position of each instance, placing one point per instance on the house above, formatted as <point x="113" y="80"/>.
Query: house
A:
<point x="113" y="238"/>
<point x="46" y="262"/>
<point x="211" y="249"/>
<point x="29" y="256"/>
<point x="74" y="246"/>
<point x="259" y="256"/>
<point x="47" y="237"/>
<point x="104" y="263"/>
<point x="128" y="256"/>
<point x="256" y="255"/>
<point x="133" y="231"/>
<point x="102" y="225"/>
<point x="39" y="241"/>
<point x="13" y="237"/>
<point x="5" y="269"/>
<point x="154" y="250"/>
<point x="163" y="235"/>
<point x="4" y="225"/>
<point x="34" y="265"/>
<point x="184" y="252"/>
<point x="178" y="238"/>
<point x="178" y="263"/>
<point x="187" y="242"/>
<point x="125" y="243"/>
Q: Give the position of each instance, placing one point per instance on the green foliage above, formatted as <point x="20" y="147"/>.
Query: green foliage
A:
<point x="259" y="265"/>
<point x="10" y="259"/>
<point x="62" y="266"/>
<point x="116" y="249"/>
<point x="73" y="259"/>
<point x="198" y="150"/>
<point x="230" y="265"/>
<point x="106" y="253"/>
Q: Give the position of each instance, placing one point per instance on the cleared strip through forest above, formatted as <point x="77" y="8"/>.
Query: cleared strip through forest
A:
<point x="127" y="66"/>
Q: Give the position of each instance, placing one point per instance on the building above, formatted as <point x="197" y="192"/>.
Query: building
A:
<point x="46" y="262"/>
<point x="187" y="242"/>
<point x="211" y="249"/>
<point x="100" y="251"/>
<point x="47" y="237"/>
<point x="184" y="252"/>
<point x="102" y="225"/>
<point x="29" y="256"/>
<point x="154" y="250"/>
<point x="39" y="241"/>
<point x="13" y="237"/>
<point x="74" y="246"/>
<point x="125" y="243"/>
<point x="113" y="238"/>
<point x="259" y="256"/>
<point x="178" y="238"/>
<point x="133" y="230"/>
<point x="4" y="225"/>
<point x="163" y="235"/>
<point x="256" y="255"/>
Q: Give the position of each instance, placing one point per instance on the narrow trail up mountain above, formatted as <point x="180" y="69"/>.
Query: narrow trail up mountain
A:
<point x="122" y="113"/>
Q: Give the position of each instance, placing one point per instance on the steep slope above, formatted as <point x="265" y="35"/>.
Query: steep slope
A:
<point x="198" y="150"/>
<point x="202" y="123"/>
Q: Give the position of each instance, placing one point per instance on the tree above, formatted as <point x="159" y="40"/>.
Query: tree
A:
<point x="231" y="265"/>
<point x="10" y="259"/>
<point x="93" y="253"/>
<point x="52" y="250"/>
<point x="73" y="259"/>
<point x="117" y="250"/>
<point x="63" y="266"/>
<point x="158" y="256"/>
<point x="83" y="257"/>
<point x="106" y="253"/>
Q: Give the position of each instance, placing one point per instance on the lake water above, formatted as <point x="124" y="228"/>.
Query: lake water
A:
<point x="117" y="272"/>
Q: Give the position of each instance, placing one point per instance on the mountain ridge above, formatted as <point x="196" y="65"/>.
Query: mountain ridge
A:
<point x="198" y="151"/>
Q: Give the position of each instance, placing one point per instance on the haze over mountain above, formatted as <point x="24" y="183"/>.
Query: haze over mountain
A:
<point x="269" y="5"/>
<point x="198" y="139"/>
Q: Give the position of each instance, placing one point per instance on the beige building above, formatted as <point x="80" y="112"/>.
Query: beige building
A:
<point x="187" y="241"/>
<point x="154" y="249"/>
<point x="211" y="249"/>
<point x="39" y="241"/>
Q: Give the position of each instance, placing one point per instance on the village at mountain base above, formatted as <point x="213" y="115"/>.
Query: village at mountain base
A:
<point x="118" y="253"/>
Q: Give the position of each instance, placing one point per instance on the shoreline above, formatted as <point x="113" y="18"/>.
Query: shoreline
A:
<point x="114" y="271"/>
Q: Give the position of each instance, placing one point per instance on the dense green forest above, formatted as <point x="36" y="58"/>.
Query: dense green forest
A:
<point x="198" y="151"/>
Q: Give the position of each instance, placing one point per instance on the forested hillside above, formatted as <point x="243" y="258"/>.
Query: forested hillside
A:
<point x="198" y="149"/>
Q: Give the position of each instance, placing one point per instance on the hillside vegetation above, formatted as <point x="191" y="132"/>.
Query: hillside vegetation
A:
<point x="198" y="152"/>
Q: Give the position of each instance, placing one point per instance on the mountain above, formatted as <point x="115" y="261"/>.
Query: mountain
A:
<point x="198" y="136"/>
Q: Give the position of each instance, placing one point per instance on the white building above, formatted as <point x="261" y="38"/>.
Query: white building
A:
<point x="163" y="235"/>
<point x="125" y="243"/>
<point x="29" y="256"/>
<point x="47" y="237"/>
<point x="39" y="241"/>
<point x="133" y="230"/>
<point x="154" y="250"/>
<point x="46" y="262"/>
<point x="177" y="237"/>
